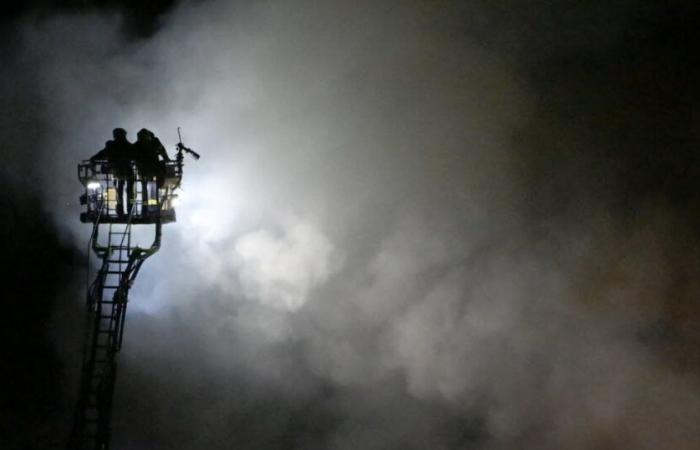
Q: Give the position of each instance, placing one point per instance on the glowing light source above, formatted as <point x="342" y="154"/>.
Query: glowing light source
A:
<point x="93" y="185"/>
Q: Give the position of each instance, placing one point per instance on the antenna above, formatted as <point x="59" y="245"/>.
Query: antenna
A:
<point x="181" y="148"/>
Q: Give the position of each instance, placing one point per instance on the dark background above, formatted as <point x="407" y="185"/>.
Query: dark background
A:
<point x="615" y="127"/>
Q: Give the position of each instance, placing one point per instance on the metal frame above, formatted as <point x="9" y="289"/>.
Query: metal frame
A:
<point x="100" y="196"/>
<point x="108" y="294"/>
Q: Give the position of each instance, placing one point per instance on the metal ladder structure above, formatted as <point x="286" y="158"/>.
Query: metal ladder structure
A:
<point x="108" y="294"/>
<point x="107" y="301"/>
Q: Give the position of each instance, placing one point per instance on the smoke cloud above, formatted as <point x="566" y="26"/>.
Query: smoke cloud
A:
<point x="412" y="226"/>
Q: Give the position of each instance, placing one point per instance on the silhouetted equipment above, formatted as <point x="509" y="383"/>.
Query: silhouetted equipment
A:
<point x="181" y="149"/>
<point x="107" y="295"/>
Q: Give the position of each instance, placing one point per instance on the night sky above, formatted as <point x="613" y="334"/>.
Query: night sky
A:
<point x="414" y="225"/>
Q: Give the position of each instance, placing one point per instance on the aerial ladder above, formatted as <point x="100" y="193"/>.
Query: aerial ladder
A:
<point x="108" y="294"/>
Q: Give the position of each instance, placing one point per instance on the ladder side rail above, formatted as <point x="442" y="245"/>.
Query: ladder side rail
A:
<point x="128" y="278"/>
<point x="105" y="396"/>
<point x="104" y="337"/>
<point x="92" y="419"/>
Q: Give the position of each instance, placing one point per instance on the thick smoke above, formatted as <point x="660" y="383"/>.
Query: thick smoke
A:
<point x="396" y="236"/>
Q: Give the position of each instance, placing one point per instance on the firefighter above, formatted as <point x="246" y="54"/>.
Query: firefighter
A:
<point x="118" y="154"/>
<point x="150" y="157"/>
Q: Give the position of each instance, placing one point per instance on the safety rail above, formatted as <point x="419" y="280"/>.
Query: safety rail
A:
<point x="106" y="194"/>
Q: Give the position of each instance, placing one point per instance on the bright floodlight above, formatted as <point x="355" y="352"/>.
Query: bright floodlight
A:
<point x="93" y="185"/>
